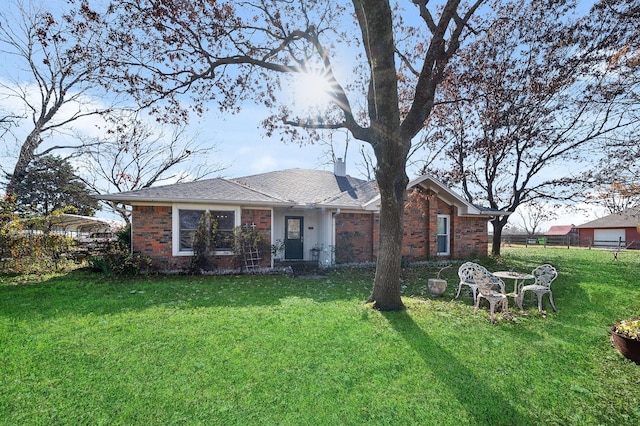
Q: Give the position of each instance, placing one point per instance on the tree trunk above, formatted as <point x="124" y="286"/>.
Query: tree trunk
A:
<point x="386" y="286"/>
<point x="376" y="24"/>
<point x="27" y="153"/>
<point x="498" y="225"/>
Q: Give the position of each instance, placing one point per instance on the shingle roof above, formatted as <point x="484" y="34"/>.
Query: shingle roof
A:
<point x="209" y="190"/>
<point x="627" y="218"/>
<point x="286" y="187"/>
<point x="306" y="187"/>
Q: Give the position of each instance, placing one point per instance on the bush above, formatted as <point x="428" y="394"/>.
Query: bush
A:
<point x="30" y="252"/>
<point x="119" y="260"/>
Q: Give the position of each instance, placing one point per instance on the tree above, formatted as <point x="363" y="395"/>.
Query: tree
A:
<point x="50" y="184"/>
<point x="619" y="196"/>
<point x="612" y="36"/>
<point x="522" y="112"/>
<point x="57" y="53"/>
<point x="231" y="52"/>
<point x="533" y="215"/>
<point x="134" y="155"/>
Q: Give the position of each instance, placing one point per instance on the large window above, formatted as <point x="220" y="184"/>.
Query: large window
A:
<point x="189" y="220"/>
<point x="443" y="234"/>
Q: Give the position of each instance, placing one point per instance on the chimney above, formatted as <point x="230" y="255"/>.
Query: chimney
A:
<point x="339" y="168"/>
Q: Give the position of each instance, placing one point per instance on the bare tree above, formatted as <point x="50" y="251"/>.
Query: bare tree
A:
<point x="527" y="113"/>
<point x="533" y="215"/>
<point x="134" y="155"/>
<point x="230" y="52"/>
<point x="55" y="52"/>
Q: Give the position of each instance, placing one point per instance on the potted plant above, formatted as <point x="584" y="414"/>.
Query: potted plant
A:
<point x="436" y="285"/>
<point x="625" y="337"/>
<point x="277" y="249"/>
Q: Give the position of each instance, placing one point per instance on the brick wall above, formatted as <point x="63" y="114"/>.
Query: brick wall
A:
<point x="151" y="234"/>
<point x="469" y="236"/>
<point x="262" y="221"/>
<point x="354" y="237"/>
<point x="152" y="237"/>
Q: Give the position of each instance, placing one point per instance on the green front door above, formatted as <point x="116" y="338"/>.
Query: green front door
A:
<point x="293" y="238"/>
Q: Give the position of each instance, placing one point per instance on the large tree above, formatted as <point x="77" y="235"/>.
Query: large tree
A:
<point x="50" y="70"/>
<point x="525" y="112"/>
<point x="228" y="52"/>
<point x="51" y="183"/>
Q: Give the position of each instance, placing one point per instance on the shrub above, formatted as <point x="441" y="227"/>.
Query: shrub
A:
<point x="119" y="260"/>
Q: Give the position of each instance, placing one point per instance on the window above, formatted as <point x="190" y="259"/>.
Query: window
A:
<point x="189" y="220"/>
<point x="443" y="234"/>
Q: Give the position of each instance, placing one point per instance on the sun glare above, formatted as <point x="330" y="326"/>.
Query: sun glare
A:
<point x="311" y="90"/>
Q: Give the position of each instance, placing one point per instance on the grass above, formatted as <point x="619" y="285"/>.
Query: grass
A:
<point x="82" y="348"/>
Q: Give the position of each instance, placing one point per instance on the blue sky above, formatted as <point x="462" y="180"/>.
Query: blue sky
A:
<point x="242" y="145"/>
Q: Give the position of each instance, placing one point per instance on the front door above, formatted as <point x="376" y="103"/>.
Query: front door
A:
<point x="293" y="237"/>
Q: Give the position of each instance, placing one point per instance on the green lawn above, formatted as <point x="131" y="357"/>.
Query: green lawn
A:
<point x="82" y="348"/>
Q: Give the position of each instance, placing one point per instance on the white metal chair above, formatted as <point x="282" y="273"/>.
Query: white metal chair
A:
<point x="544" y="276"/>
<point x="486" y="284"/>
<point x="465" y="273"/>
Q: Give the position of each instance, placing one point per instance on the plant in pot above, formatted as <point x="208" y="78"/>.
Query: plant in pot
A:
<point x="437" y="285"/>
<point x="277" y="249"/>
<point x="625" y="337"/>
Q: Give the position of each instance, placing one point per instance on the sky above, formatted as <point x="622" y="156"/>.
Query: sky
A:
<point x="241" y="145"/>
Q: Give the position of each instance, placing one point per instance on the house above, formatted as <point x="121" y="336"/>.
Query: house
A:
<point x="301" y="214"/>
<point x="615" y="230"/>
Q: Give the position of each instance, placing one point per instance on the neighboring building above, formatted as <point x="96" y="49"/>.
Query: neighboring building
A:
<point x="302" y="215"/>
<point x="561" y="230"/>
<point x="617" y="229"/>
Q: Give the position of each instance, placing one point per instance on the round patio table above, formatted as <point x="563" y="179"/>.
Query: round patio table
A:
<point x="517" y="277"/>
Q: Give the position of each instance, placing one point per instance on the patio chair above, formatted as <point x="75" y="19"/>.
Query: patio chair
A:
<point x="487" y="289"/>
<point x="544" y="276"/>
<point x="465" y="273"/>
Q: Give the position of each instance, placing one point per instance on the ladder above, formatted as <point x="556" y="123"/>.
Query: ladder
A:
<point x="250" y="253"/>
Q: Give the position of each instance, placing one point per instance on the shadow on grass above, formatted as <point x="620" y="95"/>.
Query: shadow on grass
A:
<point x="483" y="404"/>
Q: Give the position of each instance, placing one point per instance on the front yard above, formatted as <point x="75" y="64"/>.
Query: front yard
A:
<point x="83" y="348"/>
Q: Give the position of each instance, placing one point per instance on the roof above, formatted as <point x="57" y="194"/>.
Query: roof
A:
<point x="292" y="187"/>
<point x="559" y="230"/>
<point x="286" y="188"/>
<point x="625" y="219"/>
<point x="195" y="192"/>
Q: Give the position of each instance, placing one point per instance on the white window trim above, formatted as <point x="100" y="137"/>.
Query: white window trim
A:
<point x="175" y="225"/>
<point x="448" y="234"/>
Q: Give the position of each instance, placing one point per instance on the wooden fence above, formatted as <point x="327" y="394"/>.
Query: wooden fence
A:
<point x="567" y="241"/>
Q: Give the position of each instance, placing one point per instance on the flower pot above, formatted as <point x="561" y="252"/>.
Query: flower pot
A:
<point x="628" y="347"/>
<point x="436" y="286"/>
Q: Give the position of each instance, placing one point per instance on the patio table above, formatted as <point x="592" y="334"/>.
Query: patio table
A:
<point x="517" y="277"/>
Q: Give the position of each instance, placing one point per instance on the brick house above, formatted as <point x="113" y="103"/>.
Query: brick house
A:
<point x="301" y="215"/>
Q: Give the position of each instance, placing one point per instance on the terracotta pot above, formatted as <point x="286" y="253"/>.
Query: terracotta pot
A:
<point x="630" y="348"/>
<point x="436" y="286"/>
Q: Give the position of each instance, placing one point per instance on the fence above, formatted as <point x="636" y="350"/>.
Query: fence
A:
<point x="567" y="241"/>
